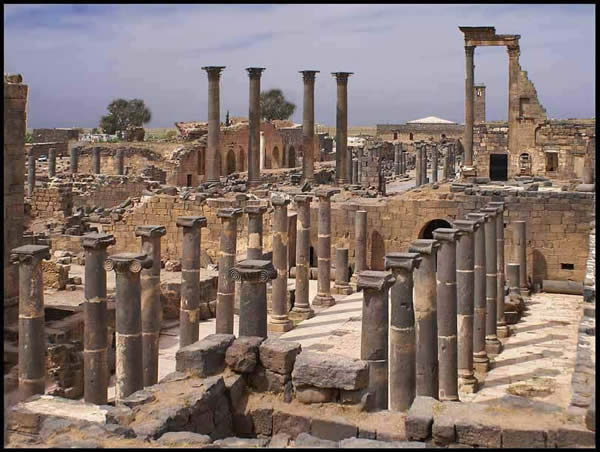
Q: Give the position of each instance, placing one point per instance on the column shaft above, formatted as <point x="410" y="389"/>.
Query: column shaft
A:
<point x="51" y="162"/>
<point x="74" y="153"/>
<point x="279" y="311"/>
<point x="469" y="105"/>
<point x="255" y="231"/>
<point x="501" y="328"/>
<point x="96" y="160"/>
<point x="30" y="174"/>
<point x="119" y="162"/>
<point x="418" y="165"/>
<point x="227" y="252"/>
<point x="520" y="243"/>
<point x="342" y="273"/>
<point x="434" y="163"/>
<point x="323" y="297"/>
<point x="492" y="344"/>
<point x="254" y="127"/>
<point x="301" y="302"/>
<point x="214" y="123"/>
<point x="513" y="98"/>
<point x="308" y="125"/>
<point x="341" y="131"/>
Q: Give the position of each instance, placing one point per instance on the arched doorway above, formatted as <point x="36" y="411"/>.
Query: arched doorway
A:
<point x="427" y="230"/>
<point x="291" y="157"/>
<point x="230" y="162"/>
<point x="498" y="166"/>
<point x="276" y="159"/>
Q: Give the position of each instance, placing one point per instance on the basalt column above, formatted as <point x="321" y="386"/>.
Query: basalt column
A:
<point x="151" y="306"/>
<point x="424" y="178"/>
<point x="30" y="174"/>
<point x="446" y="313"/>
<point x="129" y="376"/>
<point x="418" y="166"/>
<point x="396" y="160"/>
<point x="512" y="274"/>
<point x="253" y="275"/>
<point x="465" y="290"/>
<point x="226" y="287"/>
<point x="374" y="332"/>
<point x="342" y="162"/>
<point x="501" y="327"/>
<point x="190" y="279"/>
<point x="255" y="231"/>
<point x="360" y="243"/>
<point x="214" y="123"/>
<point x="480" y="358"/>
<point x="434" y="163"/>
<point x="302" y="307"/>
<point x="51" y="162"/>
<point x="342" y="273"/>
<point x="120" y="162"/>
<point x="32" y="337"/>
<point x="254" y="127"/>
<point x="469" y="106"/>
<point x="323" y="297"/>
<point x="446" y="171"/>
<point x="280" y="321"/>
<point x="402" y="385"/>
<point x="520" y="243"/>
<point x="74" y="160"/>
<point x="96" y="160"/>
<point x="492" y="344"/>
<point x="308" y="125"/>
<point x="95" y="339"/>
<point x="513" y="96"/>
<point x="425" y="304"/>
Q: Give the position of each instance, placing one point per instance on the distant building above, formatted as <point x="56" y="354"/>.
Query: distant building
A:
<point x="428" y="128"/>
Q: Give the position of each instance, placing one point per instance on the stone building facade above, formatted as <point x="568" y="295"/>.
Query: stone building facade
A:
<point x="61" y="135"/>
<point x="479" y="104"/>
<point x="409" y="132"/>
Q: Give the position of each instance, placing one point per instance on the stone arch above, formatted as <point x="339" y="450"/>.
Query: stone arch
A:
<point x="291" y="157"/>
<point x="377" y="251"/>
<point x="241" y="160"/>
<point x="426" y="231"/>
<point x="275" y="158"/>
<point x="230" y="162"/>
<point x="525" y="163"/>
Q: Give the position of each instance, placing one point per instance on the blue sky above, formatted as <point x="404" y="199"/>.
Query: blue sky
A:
<point x="408" y="60"/>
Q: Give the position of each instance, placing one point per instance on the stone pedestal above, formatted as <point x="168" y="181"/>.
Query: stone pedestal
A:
<point x="214" y="123"/>
<point x="280" y="321"/>
<point x="227" y="252"/>
<point x="342" y="273"/>
<point x="302" y="309"/>
<point x="308" y="125"/>
<point x="254" y="73"/>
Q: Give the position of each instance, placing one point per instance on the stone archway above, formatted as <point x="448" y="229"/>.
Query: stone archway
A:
<point x="230" y="162"/>
<point x="427" y="230"/>
<point x="275" y="158"/>
<point x="291" y="157"/>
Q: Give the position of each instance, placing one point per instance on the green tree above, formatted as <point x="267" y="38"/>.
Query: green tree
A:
<point x="124" y="114"/>
<point x="274" y="106"/>
<point x="28" y="137"/>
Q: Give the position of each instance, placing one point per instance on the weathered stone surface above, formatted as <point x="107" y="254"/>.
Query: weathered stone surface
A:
<point x="242" y="354"/>
<point x="420" y="418"/>
<point x="442" y="431"/>
<point x="352" y="397"/>
<point x="334" y="429"/>
<point x="289" y="423"/>
<point x="571" y="437"/>
<point x="234" y="442"/>
<point x="469" y="431"/>
<point x="279" y="441"/>
<point x="182" y="439"/>
<point x="235" y="388"/>
<point x="262" y="421"/>
<point x="330" y="371"/>
<point x="312" y="394"/>
<point x="514" y="438"/>
<point x="263" y="380"/>
<point x="363" y="443"/>
<point x="138" y="398"/>
<point x="306" y="440"/>
<point x="278" y="355"/>
<point x="205" y="357"/>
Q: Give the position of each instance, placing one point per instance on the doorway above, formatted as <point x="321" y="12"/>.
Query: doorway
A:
<point x="498" y="166"/>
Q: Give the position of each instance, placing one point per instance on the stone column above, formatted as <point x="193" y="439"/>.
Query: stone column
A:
<point x="96" y="160"/>
<point x="434" y="163"/>
<point x="255" y="231"/>
<point x="32" y="337"/>
<point x="446" y="313"/>
<point x="30" y="174"/>
<point x="120" y="162"/>
<point x="465" y="289"/>
<point x="342" y="273"/>
<point x="214" y="123"/>
<point x="279" y="316"/>
<point x="253" y="275"/>
<point x="424" y="178"/>
<point x="402" y="330"/>
<point x="501" y="327"/>
<point x="469" y="105"/>
<point x="129" y="376"/>
<point x="254" y="127"/>
<point x="308" y="125"/>
<point x="453" y="160"/>
<point x="396" y="160"/>
<point x="189" y="313"/>
<point x="355" y="179"/>
<point x="520" y="243"/>
<point x="323" y="297"/>
<point x="513" y="97"/>
<point x="425" y="303"/>
<point x="512" y="274"/>
<point x="418" y="165"/>
<point x="480" y="358"/>
<point x="227" y="252"/>
<point x="341" y="128"/>
<point x="51" y="162"/>
<point x="302" y="307"/>
<point x="492" y="344"/>
<point x="374" y="331"/>
<point x="95" y="340"/>
<point x="74" y="160"/>
<point x="292" y="226"/>
<point x="446" y="171"/>
<point x="360" y="243"/>
<point x="151" y="306"/>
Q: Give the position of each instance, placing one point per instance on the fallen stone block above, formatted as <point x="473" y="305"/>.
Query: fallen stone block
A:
<point x="420" y="418"/>
<point x="278" y="355"/>
<point x="205" y="357"/>
<point x="262" y="421"/>
<point x="363" y="443"/>
<point x="235" y="388"/>
<point x="334" y="429"/>
<point x="242" y="354"/>
<point x="183" y="439"/>
<point x="526" y="438"/>
<point x="330" y="371"/>
<point x="306" y="440"/>
<point x="469" y="431"/>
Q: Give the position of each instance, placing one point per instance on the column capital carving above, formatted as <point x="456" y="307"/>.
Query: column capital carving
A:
<point x="490" y="211"/>
<point x="447" y="235"/>
<point x="467" y="226"/>
<point x="132" y="262"/>
<point x="309" y="76"/>
<point x="342" y="77"/>
<point x="279" y="201"/>
<point x="150" y="230"/>
<point x="299" y="199"/>
<point x="497" y="204"/>
<point x="255" y="72"/>
<point x="96" y="240"/>
<point x="255" y="210"/>
<point x="191" y="222"/>
<point x="26" y="253"/>
<point x="326" y="193"/>
<point x="513" y="51"/>
<point x="252" y="270"/>
<point x="469" y="51"/>
<point x="213" y="72"/>
<point x="423" y="246"/>
<point x="372" y="279"/>
<point x="229" y="212"/>
<point x="478" y="217"/>
<point x="396" y="261"/>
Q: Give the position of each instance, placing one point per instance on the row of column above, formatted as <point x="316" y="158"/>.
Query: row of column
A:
<point x="399" y="161"/>
<point x="119" y="162"/>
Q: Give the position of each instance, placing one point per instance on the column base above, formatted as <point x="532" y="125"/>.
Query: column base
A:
<point x="468" y="171"/>
<point x="493" y="346"/>
<point x="301" y="314"/>
<point x="278" y="326"/>
<point x="323" y="300"/>
<point x="481" y="362"/>
<point x="342" y="289"/>
<point x="468" y="384"/>
<point x="502" y="331"/>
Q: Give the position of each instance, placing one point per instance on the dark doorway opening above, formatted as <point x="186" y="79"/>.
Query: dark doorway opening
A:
<point x="189" y="180"/>
<point x="499" y="167"/>
<point x="427" y="231"/>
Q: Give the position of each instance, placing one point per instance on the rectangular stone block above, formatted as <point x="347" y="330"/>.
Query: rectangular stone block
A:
<point x="334" y="429"/>
<point x="516" y="438"/>
<point x="264" y="380"/>
<point x="330" y="371"/>
<point x="205" y="357"/>
<point x="471" y="432"/>
<point x="278" y="355"/>
<point x="289" y="423"/>
<point x="419" y="419"/>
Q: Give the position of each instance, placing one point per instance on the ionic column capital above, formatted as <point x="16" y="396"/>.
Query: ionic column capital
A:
<point x="397" y="262"/>
<point x="377" y="280"/>
<point x="132" y="262"/>
<point x="97" y="241"/>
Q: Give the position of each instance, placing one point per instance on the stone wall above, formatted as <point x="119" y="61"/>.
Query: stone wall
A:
<point x="419" y="131"/>
<point x="57" y="135"/>
<point x="61" y="149"/>
<point x="135" y="158"/>
<point x="52" y="202"/>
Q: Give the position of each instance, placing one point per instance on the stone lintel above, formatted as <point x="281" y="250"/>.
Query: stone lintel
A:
<point x="466" y="226"/>
<point x="327" y="192"/>
<point x="255" y="210"/>
<point x="229" y="212"/>
<point x="190" y="222"/>
<point x="150" y="230"/>
<point x="134" y="262"/>
<point x="95" y="240"/>
<point x="279" y="201"/>
<point x="423" y="246"/>
<point x="446" y="234"/>
<point x="372" y="279"/>
<point x="402" y="261"/>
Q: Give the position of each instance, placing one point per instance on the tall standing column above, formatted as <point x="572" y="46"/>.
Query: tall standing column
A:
<point x="374" y="331"/>
<point x="214" y="123"/>
<point x="51" y="162"/>
<point x="95" y="339"/>
<point x="341" y="129"/>
<point x="151" y="306"/>
<point x="254" y="126"/>
<point x="465" y="289"/>
<point x="480" y="358"/>
<point x="292" y="228"/>
<point x="425" y="302"/>
<point x="32" y="338"/>
<point x="189" y="310"/>
<point x="129" y="376"/>
<point x="253" y="275"/>
<point x="418" y="165"/>
<point x="74" y="153"/>
<point x="501" y="327"/>
<point x="402" y="385"/>
<point x="424" y="178"/>
<point x="302" y="307"/>
<point x="96" y="160"/>
<point x="280" y="321"/>
<point x="30" y="174"/>
<point x="513" y="97"/>
<point x="446" y="154"/>
<point x="434" y="163"/>
<point x="342" y="273"/>
<point x="323" y="297"/>
<point x="227" y="252"/>
<point x="396" y="160"/>
<point x="520" y="243"/>
<point x="355" y="179"/>
<point x="308" y="125"/>
<point x="255" y="231"/>
<point x="360" y="243"/>
<point x="120" y="162"/>
<point x="446" y="313"/>
<point x="469" y="105"/>
<point x="492" y="344"/>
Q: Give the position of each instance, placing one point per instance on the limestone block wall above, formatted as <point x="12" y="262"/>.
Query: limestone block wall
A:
<point x="420" y="131"/>
<point x="58" y="135"/>
<point x="108" y="195"/>
<point x="52" y="202"/>
<point x="135" y="158"/>
<point x="61" y="149"/>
